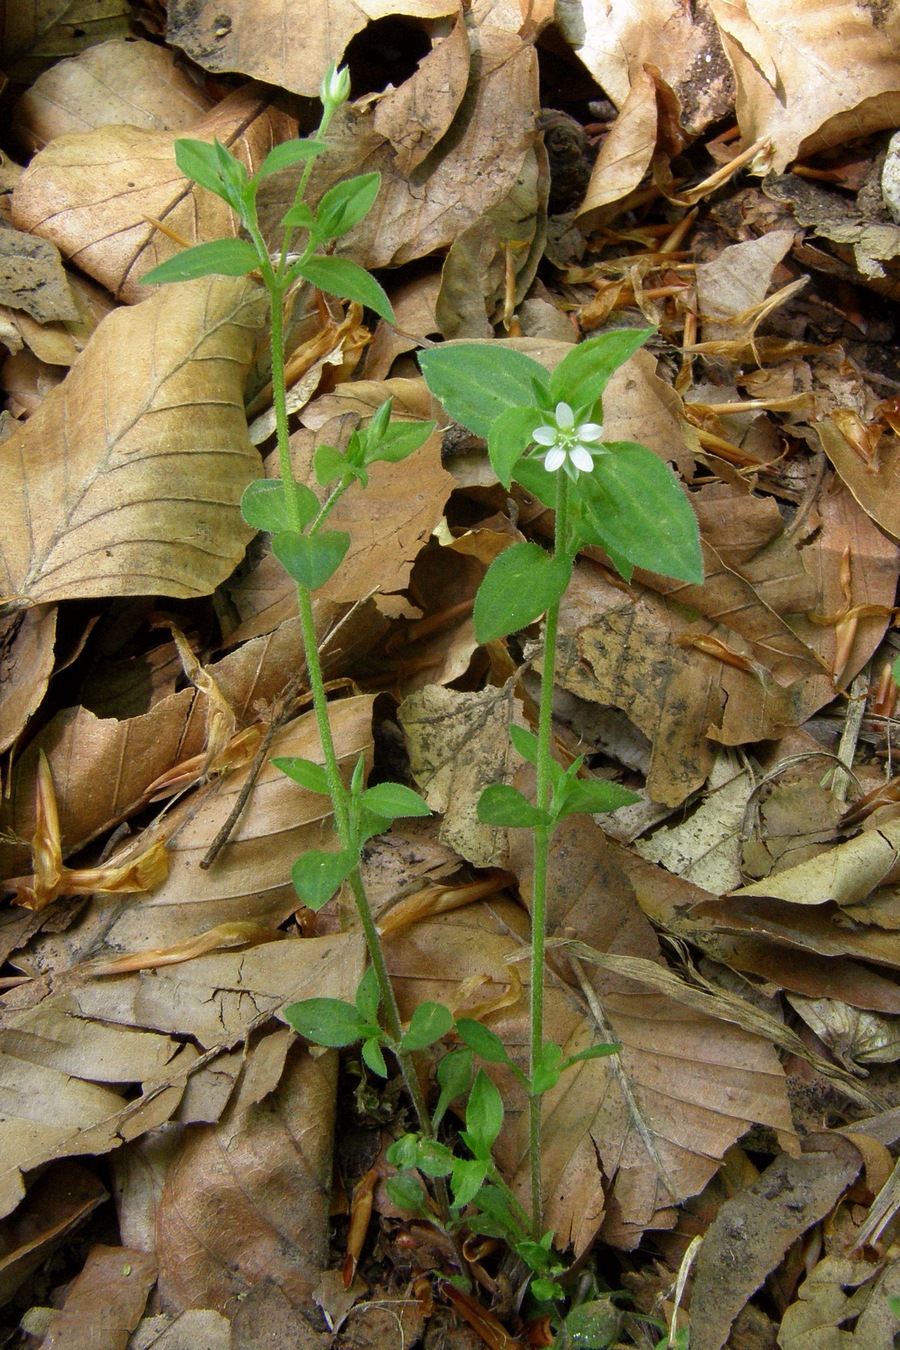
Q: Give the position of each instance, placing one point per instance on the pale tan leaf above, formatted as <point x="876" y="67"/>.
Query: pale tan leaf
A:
<point x="875" y="485"/>
<point x="105" y="1301"/>
<point x="260" y="37"/>
<point x="626" y="152"/>
<point x="825" y="1309"/>
<point x="36" y="35"/>
<point x="415" y="116"/>
<point x="32" y="278"/>
<point x="127" y="480"/>
<point x="96" y="194"/>
<point x="736" y="280"/>
<point x="248" y="1198"/>
<point x="133" y="82"/>
<point x="846" y="873"/>
<point x="25" y="668"/>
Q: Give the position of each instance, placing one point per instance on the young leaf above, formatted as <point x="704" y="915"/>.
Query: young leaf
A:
<point x="484" y="1115"/>
<point x="509" y="437"/>
<point x="345" y="205"/>
<point x="547" y="1070"/>
<point x="525" y="742"/>
<point x="534" y="478"/>
<point x="592" y="1052"/>
<point x="374" y="1056"/>
<point x="398" y="441"/>
<point x="317" y="875"/>
<point x="368" y="997"/>
<point x="327" y="1021"/>
<point x="311" y="559"/>
<point x="407" y="1193"/>
<point x="299" y="217"/>
<point x="467" y="1179"/>
<point x="518" y="588"/>
<point x="340" y="276"/>
<point x="635" y="503"/>
<point x="264" y="506"/>
<point x="454" y="1074"/>
<point x="306" y="772"/>
<point x="504" y="806"/>
<point x="429" y="1156"/>
<point x="226" y="257"/>
<point x="582" y="375"/>
<point x="288" y="153"/>
<point x="480" y="1039"/>
<point x="428" y="1024"/>
<point x="329" y="464"/>
<point x="232" y="173"/>
<point x="593" y="796"/>
<point x="199" y="161"/>
<point x="477" y="381"/>
<point x="393" y="801"/>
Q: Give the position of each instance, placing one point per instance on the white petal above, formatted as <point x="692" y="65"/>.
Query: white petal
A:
<point x="545" y="435"/>
<point x="565" y="418"/>
<point x="589" y="431"/>
<point x="554" y="459"/>
<point x="581" y="458"/>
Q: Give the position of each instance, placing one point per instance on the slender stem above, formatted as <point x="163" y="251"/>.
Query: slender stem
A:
<point x="542" y="836"/>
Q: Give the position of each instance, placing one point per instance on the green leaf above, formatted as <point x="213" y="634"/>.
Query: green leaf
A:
<point x="509" y="437"/>
<point x="345" y="205"/>
<point x="199" y="161"/>
<point x="299" y="217"/>
<point x="534" y="478"/>
<point x="594" y="1325"/>
<point x="518" y="588"/>
<point x="288" y="153"/>
<point x="592" y="1052"/>
<point x="225" y="257"/>
<point x="477" y="381"/>
<point x="454" y="1074"/>
<point x="467" y="1179"/>
<point x="582" y="375"/>
<point x="634" y="502"/>
<point x="400" y="440"/>
<point x="327" y="1021"/>
<point x="311" y="559"/>
<point x="503" y="805"/>
<point x="548" y="1291"/>
<point x="480" y="1039"/>
<point x="264" y="505"/>
<point x="525" y="742"/>
<point x="374" y="1056"/>
<point x="306" y="772"/>
<point x="318" y="875"/>
<point x="429" y="1156"/>
<point x="428" y="1024"/>
<point x="340" y="276"/>
<point x="593" y="796"/>
<point x="548" y="1068"/>
<point x="368" y="997"/>
<point x="329" y="464"/>
<point x="484" y="1115"/>
<point x="232" y="173"/>
<point x="393" y="801"/>
<point x="406" y="1192"/>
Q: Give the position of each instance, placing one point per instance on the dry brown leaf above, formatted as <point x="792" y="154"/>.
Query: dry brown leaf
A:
<point x="105" y="1301"/>
<point x="259" y="38"/>
<point x="58" y="1202"/>
<point x="626" y="152"/>
<point x="97" y="194"/>
<point x="32" y="278"/>
<point x="737" y="280"/>
<point x="751" y="1232"/>
<point x="247" y="1199"/>
<point x="25" y="668"/>
<point x="125" y="82"/>
<point x="876" y="484"/>
<point x="825" y="1308"/>
<point x="37" y="35"/>
<point x="415" y="116"/>
<point x="846" y="873"/>
<point x="127" y="480"/>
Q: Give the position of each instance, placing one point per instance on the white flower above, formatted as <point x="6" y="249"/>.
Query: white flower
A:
<point x="566" y="442"/>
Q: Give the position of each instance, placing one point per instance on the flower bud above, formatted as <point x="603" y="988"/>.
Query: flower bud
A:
<point x="335" y="87"/>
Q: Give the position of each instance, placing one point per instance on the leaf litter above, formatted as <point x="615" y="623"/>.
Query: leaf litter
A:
<point x="734" y="936"/>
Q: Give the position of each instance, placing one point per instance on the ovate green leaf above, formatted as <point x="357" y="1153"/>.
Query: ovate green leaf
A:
<point x="477" y="381"/>
<point x="311" y="559"/>
<point x="225" y="257"/>
<point x="518" y="588"/>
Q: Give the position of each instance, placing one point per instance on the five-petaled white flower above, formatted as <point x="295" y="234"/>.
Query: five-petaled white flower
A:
<point x="565" y="441"/>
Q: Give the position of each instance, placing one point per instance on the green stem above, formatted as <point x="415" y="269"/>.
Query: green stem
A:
<point x="542" y="835"/>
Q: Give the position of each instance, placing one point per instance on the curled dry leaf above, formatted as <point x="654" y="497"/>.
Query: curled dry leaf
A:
<point x="102" y="195"/>
<point x="128" y="478"/>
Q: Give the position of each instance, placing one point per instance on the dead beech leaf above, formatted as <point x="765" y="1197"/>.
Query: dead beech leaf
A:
<point x="415" y="116"/>
<point x="133" y="82"/>
<point x="736" y="281"/>
<point x="45" y="32"/>
<point x="26" y="663"/>
<point x="626" y="152"/>
<point x="32" y="277"/>
<point x="825" y="1306"/>
<point x="248" y="1198"/>
<point x="259" y="38"/>
<point x="98" y="194"/>
<point x="458" y="744"/>
<point x="57" y="1203"/>
<point x="128" y="478"/>
<point x="875" y="485"/>
<point x="751" y="1232"/>
<point x="105" y="1301"/>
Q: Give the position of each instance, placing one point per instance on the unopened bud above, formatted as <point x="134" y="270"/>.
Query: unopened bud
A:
<point x="335" y="88"/>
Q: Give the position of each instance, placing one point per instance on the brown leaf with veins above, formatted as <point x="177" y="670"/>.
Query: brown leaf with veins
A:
<point x="99" y="195"/>
<point x="128" y="478"/>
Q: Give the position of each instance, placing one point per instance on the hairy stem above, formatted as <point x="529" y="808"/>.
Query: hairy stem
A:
<point x="542" y="836"/>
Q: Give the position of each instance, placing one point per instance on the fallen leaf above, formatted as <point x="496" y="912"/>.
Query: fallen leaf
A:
<point x="127" y="479"/>
<point x="105" y="1301"/>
